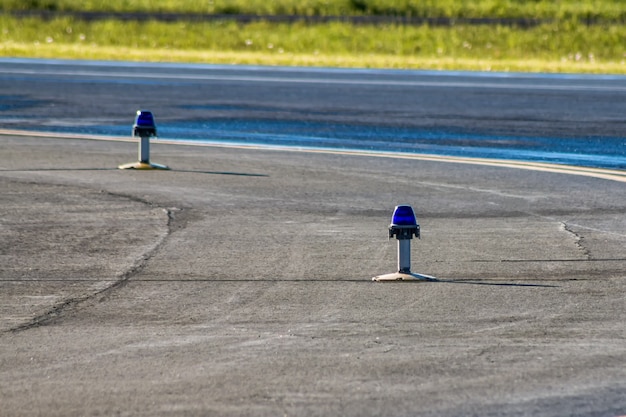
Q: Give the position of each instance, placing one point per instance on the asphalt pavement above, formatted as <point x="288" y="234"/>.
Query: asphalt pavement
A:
<point x="558" y="118"/>
<point x="239" y="283"/>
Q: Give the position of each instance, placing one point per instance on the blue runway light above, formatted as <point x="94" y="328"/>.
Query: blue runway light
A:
<point x="144" y="118"/>
<point x="403" y="216"/>
<point x="403" y="223"/>
<point x="144" y="124"/>
<point x="144" y="128"/>
<point x="403" y="227"/>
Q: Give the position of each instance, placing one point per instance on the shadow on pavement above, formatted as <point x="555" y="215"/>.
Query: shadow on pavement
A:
<point x="243" y="174"/>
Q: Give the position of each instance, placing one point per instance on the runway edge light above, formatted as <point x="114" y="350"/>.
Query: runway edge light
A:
<point x="403" y="227"/>
<point x="144" y="128"/>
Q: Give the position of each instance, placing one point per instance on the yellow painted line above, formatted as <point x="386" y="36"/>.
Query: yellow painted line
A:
<point x="607" y="174"/>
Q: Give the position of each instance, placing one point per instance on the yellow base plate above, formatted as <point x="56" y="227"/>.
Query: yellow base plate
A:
<point x="142" y="165"/>
<point x="402" y="276"/>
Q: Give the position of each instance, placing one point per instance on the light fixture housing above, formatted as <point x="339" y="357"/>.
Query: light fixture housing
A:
<point x="144" y="124"/>
<point x="404" y="223"/>
<point x="144" y="128"/>
<point x="403" y="227"/>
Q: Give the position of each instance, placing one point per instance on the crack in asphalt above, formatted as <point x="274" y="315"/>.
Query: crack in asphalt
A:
<point x="578" y="240"/>
<point x="57" y="310"/>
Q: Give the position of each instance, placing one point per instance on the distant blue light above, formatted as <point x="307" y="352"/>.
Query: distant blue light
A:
<point x="144" y="119"/>
<point x="403" y="216"/>
<point x="144" y="124"/>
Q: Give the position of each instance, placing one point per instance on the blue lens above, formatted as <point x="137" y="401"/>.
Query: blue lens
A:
<point x="144" y="119"/>
<point x="404" y="216"/>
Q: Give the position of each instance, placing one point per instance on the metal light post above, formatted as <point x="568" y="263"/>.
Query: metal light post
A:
<point x="403" y="227"/>
<point x="144" y="128"/>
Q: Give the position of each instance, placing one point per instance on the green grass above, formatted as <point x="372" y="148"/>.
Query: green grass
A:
<point x="559" y="9"/>
<point x="564" y="45"/>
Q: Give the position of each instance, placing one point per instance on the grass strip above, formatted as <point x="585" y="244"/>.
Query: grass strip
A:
<point x="559" y="9"/>
<point x="554" y="47"/>
<point x="312" y="60"/>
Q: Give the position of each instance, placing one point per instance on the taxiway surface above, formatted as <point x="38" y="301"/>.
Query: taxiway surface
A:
<point x="239" y="283"/>
<point x="568" y="119"/>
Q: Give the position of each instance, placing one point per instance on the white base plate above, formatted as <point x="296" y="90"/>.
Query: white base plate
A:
<point x="142" y="165"/>
<point x="403" y="276"/>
